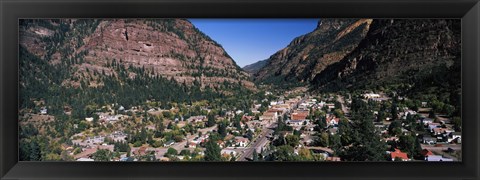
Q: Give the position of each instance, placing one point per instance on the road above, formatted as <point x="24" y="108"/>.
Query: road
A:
<point x="321" y="148"/>
<point x="444" y="147"/>
<point x="342" y="102"/>
<point x="256" y="145"/>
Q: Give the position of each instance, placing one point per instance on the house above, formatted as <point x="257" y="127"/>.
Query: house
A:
<point x="241" y="141"/>
<point x="228" y="152"/>
<point x="279" y="111"/>
<point x="334" y="158"/>
<point x="429" y="140"/>
<point x="438" y="131"/>
<point x="196" y="119"/>
<point x="393" y="138"/>
<point x="371" y="95"/>
<point x="89" y="119"/>
<point x="282" y="106"/>
<point x="268" y="116"/>
<point x="431" y="126"/>
<point x="425" y="153"/>
<point x="85" y="159"/>
<point x="298" y="116"/>
<point x="221" y="144"/>
<point x="43" y="111"/>
<point x="192" y="144"/>
<point x="437" y="158"/>
<point x="140" y="151"/>
<point x="331" y="120"/>
<point x="410" y="112"/>
<point x="399" y="154"/>
<point x="456" y="136"/>
<point x="330" y="106"/>
<point x="169" y="143"/>
<point x="273" y="103"/>
<point x="424" y="104"/>
<point x="238" y="112"/>
<point x="333" y="130"/>
<point x="296" y="122"/>
<point x="247" y="118"/>
<point x="427" y="121"/>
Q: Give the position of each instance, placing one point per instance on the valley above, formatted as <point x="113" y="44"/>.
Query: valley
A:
<point x="162" y="90"/>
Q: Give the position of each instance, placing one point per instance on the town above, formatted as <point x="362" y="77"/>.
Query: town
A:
<point x="293" y="126"/>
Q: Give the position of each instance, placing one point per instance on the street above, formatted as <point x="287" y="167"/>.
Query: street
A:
<point x="256" y="145"/>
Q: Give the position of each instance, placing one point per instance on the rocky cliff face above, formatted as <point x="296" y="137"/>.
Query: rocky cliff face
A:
<point x="171" y="48"/>
<point x="308" y="55"/>
<point x="422" y="53"/>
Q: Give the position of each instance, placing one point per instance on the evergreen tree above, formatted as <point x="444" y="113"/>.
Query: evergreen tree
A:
<point x="255" y="155"/>
<point x="211" y="120"/>
<point x="212" y="151"/>
<point x="35" y="153"/>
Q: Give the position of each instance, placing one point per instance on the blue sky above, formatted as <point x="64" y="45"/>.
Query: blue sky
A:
<point x="250" y="40"/>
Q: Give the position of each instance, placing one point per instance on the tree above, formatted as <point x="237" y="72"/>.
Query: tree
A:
<point x="408" y="144"/>
<point x="457" y="123"/>
<point x="305" y="154"/>
<point x="394" y="110"/>
<point x="222" y="129"/>
<point x="338" y="113"/>
<point x="335" y="144"/>
<point x="395" y="128"/>
<point x="52" y="157"/>
<point x="211" y="120"/>
<point x="102" y="155"/>
<point x="249" y="135"/>
<point x="171" y="152"/>
<point x="255" y="155"/>
<point x="432" y="115"/>
<point x="321" y="123"/>
<point x="367" y="144"/>
<point x="292" y="140"/>
<point x="280" y="141"/>
<point x="284" y="153"/>
<point x="35" y="153"/>
<point x="345" y="132"/>
<point x="322" y="139"/>
<point x="143" y="135"/>
<point x="185" y="152"/>
<point x="212" y="151"/>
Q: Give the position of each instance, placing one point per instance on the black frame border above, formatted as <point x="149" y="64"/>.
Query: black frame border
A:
<point x="11" y="11"/>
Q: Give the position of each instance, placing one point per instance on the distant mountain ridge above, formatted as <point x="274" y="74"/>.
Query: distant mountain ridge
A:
<point x="255" y="67"/>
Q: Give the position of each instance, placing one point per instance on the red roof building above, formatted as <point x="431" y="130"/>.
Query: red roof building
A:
<point x="399" y="154"/>
<point x="426" y="152"/>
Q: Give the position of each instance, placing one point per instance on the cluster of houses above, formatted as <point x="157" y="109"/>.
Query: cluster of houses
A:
<point x="439" y="131"/>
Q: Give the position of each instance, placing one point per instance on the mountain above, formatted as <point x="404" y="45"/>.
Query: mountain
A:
<point x="309" y="54"/>
<point x="172" y="48"/>
<point x="127" y="61"/>
<point x="416" y="57"/>
<point x="255" y="67"/>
